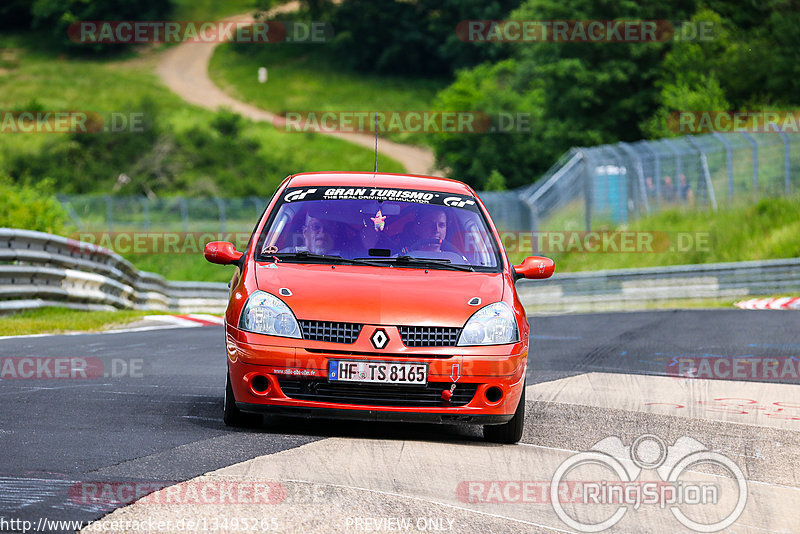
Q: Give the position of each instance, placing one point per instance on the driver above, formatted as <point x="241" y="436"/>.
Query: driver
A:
<point x="430" y="229"/>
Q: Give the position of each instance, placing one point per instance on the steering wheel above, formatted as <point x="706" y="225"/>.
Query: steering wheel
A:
<point x="445" y="248"/>
<point x="420" y="244"/>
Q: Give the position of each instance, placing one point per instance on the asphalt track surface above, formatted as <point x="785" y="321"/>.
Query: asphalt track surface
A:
<point x="589" y="377"/>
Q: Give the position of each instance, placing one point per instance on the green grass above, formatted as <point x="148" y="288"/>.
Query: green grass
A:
<point x="768" y="229"/>
<point x="40" y="79"/>
<point x="307" y="77"/>
<point x="108" y="86"/>
<point x="193" y="267"/>
<point x="58" y="320"/>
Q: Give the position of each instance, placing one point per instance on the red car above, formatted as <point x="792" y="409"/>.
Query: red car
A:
<point x="377" y="297"/>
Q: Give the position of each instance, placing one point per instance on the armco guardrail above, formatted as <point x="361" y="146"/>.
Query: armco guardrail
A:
<point x="636" y="288"/>
<point x="39" y="269"/>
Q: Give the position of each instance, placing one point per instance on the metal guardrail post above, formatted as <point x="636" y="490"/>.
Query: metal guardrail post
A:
<point x="712" y="198"/>
<point x="587" y="189"/>
<point x="257" y="202"/>
<point x="787" y="164"/>
<point x="110" y="213"/>
<point x="222" y="220"/>
<point x="640" y="171"/>
<point x="67" y="205"/>
<point x="620" y="157"/>
<point x="678" y="169"/>
<point x="146" y="212"/>
<point x="533" y="199"/>
<point x="184" y="214"/>
<point x="657" y="170"/>
<point x="729" y="153"/>
<point x="755" y="162"/>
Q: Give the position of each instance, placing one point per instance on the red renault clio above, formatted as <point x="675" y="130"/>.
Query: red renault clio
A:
<point x="377" y="297"/>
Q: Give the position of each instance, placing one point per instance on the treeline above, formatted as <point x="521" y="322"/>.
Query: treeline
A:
<point x="574" y="93"/>
<point x="52" y="18"/>
<point x="571" y="93"/>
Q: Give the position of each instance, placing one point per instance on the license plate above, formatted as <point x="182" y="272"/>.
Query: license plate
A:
<point x="378" y="372"/>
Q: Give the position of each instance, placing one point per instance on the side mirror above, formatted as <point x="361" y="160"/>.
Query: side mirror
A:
<point x="536" y="267"/>
<point x="222" y="253"/>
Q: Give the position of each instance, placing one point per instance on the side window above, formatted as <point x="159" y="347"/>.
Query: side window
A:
<point x="477" y="248"/>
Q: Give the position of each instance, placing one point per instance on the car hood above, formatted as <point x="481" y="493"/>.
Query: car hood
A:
<point x="379" y="295"/>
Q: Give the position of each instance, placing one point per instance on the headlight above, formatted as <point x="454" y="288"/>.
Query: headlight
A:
<point x="267" y="314"/>
<point x="494" y="324"/>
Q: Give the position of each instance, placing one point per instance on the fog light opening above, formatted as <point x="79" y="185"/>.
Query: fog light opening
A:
<point x="493" y="394"/>
<point x="259" y="384"/>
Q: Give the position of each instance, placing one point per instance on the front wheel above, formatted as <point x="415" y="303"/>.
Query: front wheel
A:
<point x="231" y="415"/>
<point x="510" y="432"/>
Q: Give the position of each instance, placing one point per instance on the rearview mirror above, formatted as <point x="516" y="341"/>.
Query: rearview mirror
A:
<point x="536" y="267"/>
<point x="222" y="253"/>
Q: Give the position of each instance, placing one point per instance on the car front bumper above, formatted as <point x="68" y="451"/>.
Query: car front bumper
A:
<point x="261" y="374"/>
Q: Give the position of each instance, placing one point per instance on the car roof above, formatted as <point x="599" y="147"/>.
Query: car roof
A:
<point x="379" y="179"/>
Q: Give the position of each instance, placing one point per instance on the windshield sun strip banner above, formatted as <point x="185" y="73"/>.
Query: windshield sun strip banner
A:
<point x="415" y="196"/>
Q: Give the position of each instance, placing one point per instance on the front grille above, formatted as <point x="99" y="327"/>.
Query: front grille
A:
<point x="330" y="331"/>
<point x="429" y="336"/>
<point x="326" y="350"/>
<point x="376" y="394"/>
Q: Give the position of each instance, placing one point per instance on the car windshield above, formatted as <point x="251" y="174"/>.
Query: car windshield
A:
<point x="382" y="226"/>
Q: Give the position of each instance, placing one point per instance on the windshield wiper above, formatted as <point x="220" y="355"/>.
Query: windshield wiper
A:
<point x="410" y="260"/>
<point x="305" y="254"/>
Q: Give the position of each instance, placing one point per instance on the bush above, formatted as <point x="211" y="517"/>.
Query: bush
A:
<point x="215" y="158"/>
<point x="31" y="207"/>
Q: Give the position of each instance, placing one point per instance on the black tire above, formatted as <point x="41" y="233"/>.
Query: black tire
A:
<point x="510" y="432"/>
<point x="233" y="416"/>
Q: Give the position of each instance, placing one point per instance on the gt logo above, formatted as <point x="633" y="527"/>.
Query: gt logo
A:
<point x="297" y="195"/>
<point x="456" y="202"/>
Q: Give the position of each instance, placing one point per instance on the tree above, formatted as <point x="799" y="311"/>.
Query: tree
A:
<point x="57" y="15"/>
<point x="491" y="90"/>
<point x="413" y="37"/>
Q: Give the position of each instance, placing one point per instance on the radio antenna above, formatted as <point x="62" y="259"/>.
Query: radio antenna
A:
<point x="375" y="125"/>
